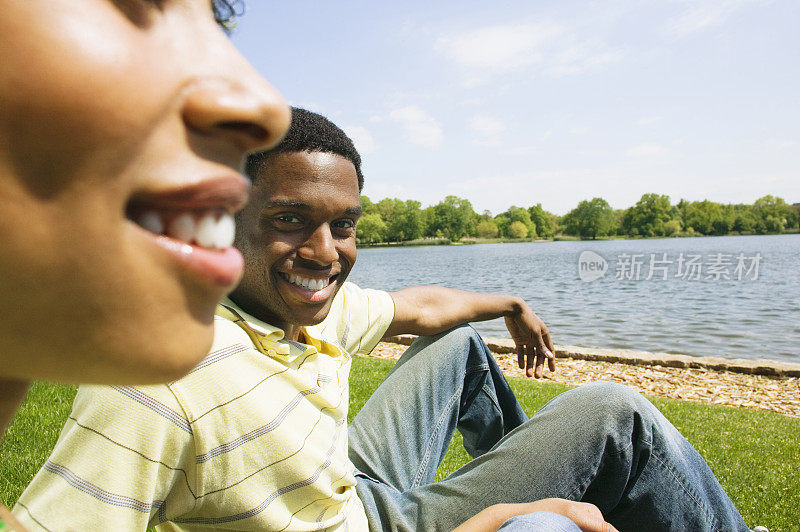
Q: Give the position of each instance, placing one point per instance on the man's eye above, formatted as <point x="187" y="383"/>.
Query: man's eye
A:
<point x="288" y="219"/>
<point x="345" y="224"/>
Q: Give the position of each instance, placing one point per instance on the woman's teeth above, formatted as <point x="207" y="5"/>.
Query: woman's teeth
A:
<point x="208" y="230"/>
<point x="309" y="284"/>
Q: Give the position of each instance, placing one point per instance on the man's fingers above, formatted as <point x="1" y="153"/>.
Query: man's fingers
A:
<point x="548" y="341"/>
<point x="520" y="353"/>
<point x="530" y="359"/>
<point x="551" y="361"/>
<point x="589" y="518"/>
<point x="545" y="353"/>
<point x="539" y="370"/>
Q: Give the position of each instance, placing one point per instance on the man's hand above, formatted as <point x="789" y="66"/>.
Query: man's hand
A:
<point x="428" y="310"/>
<point x="585" y="515"/>
<point x="532" y="339"/>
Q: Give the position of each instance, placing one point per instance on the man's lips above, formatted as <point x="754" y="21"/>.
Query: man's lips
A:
<point x="310" y="289"/>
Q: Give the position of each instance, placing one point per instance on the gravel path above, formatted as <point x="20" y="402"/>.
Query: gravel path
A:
<point x="777" y="394"/>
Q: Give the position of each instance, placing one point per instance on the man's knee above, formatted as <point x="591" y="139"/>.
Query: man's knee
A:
<point x="459" y="338"/>
<point x="609" y="404"/>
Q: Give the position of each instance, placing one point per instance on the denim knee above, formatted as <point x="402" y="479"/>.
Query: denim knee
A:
<point x="610" y="405"/>
<point x="458" y="339"/>
<point x="459" y="335"/>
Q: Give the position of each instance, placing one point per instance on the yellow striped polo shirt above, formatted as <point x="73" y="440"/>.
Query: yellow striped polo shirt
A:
<point x="254" y="438"/>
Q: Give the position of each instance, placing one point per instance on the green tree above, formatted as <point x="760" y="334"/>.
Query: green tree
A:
<point x="773" y="215"/>
<point x="744" y="221"/>
<point x="502" y="221"/>
<point x="370" y="229"/>
<point x="649" y="216"/>
<point x="515" y="214"/>
<point x="487" y="229"/>
<point x="705" y="216"/>
<point x="367" y="207"/>
<point x="517" y="229"/>
<point x="672" y="227"/>
<point x="590" y="219"/>
<point x="404" y="219"/>
<point x="545" y="222"/>
<point x="453" y="218"/>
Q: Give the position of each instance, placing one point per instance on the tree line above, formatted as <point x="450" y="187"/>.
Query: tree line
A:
<point x="394" y="220"/>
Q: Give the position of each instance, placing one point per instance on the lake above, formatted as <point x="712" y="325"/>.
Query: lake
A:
<point x="731" y="296"/>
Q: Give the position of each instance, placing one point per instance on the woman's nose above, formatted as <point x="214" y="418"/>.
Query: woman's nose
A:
<point x="247" y="112"/>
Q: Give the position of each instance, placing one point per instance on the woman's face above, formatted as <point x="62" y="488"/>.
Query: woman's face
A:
<point x="122" y="124"/>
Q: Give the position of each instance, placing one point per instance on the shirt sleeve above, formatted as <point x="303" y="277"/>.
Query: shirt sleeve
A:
<point x="123" y="461"/>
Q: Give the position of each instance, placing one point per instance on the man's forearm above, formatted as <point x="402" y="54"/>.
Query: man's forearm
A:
<point x="426" y="310"/>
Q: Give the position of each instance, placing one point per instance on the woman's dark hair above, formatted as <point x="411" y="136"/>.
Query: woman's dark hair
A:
<point x="226" y="12"/>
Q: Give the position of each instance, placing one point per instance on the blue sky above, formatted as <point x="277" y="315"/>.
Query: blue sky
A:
<point x="516" y="103"/>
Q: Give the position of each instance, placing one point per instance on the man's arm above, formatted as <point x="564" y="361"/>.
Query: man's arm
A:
<point x="427" y="310"/>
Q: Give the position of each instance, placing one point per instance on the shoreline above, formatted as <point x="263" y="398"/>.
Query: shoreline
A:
<point x="761" y="384"/>
<point x="467" y="241"/>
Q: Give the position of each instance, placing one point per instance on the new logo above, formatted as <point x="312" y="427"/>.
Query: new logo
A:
<point x="591" y="266"/>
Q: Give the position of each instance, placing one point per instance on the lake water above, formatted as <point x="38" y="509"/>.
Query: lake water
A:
<point x="735" y="297"/>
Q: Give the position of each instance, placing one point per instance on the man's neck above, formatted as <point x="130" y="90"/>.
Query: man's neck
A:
<point x="291" y="331"/>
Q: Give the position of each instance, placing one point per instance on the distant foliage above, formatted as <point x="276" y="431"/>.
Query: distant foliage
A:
<point x="392" y="220"/>
<point x="590" y="219"/>
<point x="487" y="229"/>
<point x="371" y="229"/>
<point x="517" y="229"/>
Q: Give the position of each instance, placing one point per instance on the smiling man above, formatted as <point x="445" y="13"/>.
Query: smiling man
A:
<point x="256" y="436"/>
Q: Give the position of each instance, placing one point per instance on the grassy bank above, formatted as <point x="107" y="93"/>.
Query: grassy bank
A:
<point x="755" y="454"/>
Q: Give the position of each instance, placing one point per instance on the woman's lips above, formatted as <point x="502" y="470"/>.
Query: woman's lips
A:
<point x="195" y="225"/>
<point x="221" y="267"/>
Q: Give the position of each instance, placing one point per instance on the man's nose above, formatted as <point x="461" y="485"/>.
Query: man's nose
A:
<point x="320" y="246"/>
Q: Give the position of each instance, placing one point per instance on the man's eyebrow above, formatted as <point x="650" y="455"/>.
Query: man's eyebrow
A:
<point x="287" y="204"/>
<point x="353" y="211"/>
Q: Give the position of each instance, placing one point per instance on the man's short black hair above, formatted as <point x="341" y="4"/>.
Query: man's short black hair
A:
<point x="309" y="132"/>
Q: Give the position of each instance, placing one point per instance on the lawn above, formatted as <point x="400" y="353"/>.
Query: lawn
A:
<point x="755" y="454"/>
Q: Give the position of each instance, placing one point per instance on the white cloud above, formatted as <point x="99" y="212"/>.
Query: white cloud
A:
<point x="362" y="138"/>
<point x="546" y="46"/>
<point x="647" y="151"/>
<point x="499" y="47"/>
<point x="487" y="129"/>
<point x="647" y="120"/>
<point x="701" y="15"/>
<point x="419" y="127"/>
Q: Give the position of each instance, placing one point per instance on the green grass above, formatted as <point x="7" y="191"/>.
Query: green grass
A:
<point x="755" y="454"/>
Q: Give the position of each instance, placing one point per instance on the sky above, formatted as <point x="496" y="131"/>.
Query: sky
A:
<point x="553" y="102"/>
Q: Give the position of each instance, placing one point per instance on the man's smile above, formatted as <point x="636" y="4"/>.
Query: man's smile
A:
<point x="310" y="289"/>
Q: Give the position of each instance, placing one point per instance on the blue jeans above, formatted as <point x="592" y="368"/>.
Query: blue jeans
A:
<point x="539" y="521"/>
<point x="601" y="443"/>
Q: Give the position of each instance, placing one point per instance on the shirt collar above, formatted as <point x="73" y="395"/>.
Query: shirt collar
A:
<point x="256" y="325"/>
<point x="271" y="334"/>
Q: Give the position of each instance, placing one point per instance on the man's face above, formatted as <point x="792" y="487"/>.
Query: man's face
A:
<point x="298" y="237"/>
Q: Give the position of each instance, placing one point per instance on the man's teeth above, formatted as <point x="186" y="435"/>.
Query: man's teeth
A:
<point x="209" y="230"/>
<point x="309" y="284"/>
